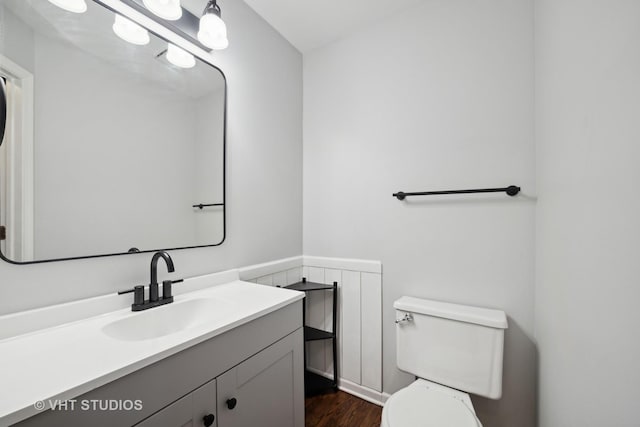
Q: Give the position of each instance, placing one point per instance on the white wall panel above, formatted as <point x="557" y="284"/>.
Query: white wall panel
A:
<point x="371" y="300"/>
<point x="294" y="275"/>
<point x="279" y="279"/>
<point x="265" y="280"/>
<point x="350" y="327"/>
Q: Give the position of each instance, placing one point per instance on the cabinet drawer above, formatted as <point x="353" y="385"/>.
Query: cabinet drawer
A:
<point x="266" y="389"/>
<point x="190" y="411"/>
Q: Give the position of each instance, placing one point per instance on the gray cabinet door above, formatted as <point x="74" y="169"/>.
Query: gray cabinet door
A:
<point x="190" y="411"/>
<point x="268" y="388"/>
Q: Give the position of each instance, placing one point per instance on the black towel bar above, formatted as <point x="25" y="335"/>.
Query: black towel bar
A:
<point x="511" y="190"/>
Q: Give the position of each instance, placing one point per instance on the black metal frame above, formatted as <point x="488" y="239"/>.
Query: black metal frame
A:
<point x="511" y="190"/>
<point x="213" y="7"/>
<point x="224" y="158"/>
<point x="3" y="109"/>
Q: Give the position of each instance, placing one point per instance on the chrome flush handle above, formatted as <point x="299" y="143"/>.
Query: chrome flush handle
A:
<point x="405" y="319"/>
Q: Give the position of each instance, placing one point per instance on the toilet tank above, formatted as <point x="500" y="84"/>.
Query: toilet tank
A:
<point x="454" y="345"/>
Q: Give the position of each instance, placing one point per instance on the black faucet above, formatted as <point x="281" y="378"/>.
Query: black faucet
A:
<point x="139" y="303"/>
<point x="153" y="284"/>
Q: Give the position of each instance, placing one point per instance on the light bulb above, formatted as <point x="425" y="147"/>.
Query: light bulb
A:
<point x="179" y="57"/>
<point x="75" y="6"/>
<point x="213" y="32"/>
<point x="129" y="31"/>
<point x="219" y="43"/>
<point x="171" y="10"/>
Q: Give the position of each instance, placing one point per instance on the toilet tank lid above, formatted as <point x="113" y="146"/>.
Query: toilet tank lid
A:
<point x="463" y="313"/>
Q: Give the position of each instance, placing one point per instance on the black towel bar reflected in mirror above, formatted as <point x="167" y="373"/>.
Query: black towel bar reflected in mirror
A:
<point x="202" y="205"/>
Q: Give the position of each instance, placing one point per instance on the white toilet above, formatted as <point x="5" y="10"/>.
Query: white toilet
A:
<point x="453" y="350"/>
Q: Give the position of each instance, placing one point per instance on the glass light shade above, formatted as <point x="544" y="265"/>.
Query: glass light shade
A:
<point x="171" y="10"/>
<point x="213" y="32"/>
<point x="129" y="31"/>
<point x="179" y="57"/>
<point x="75" y="6"/>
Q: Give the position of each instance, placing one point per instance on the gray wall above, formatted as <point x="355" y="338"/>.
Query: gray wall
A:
<point x="264" y="186"/>
<point x="588" y="218"/>
<point x="17" y="40"/>
<point x="437" y="97"/>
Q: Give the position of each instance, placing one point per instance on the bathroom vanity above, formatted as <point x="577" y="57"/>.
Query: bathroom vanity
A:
<point x="227" y="355"/>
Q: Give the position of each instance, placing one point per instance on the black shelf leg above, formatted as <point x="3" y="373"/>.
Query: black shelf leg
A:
<point x="304" y="323"/>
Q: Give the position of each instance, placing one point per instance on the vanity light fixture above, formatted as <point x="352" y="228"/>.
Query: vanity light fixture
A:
<point x="171" y="10"/>
<point x="129" y="31"/>
<point x="180" y="57"/>
<point x="213" y="31"/>
<point x="75" y="6"/>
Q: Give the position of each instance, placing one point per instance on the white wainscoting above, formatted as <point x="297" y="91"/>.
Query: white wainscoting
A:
<point x="359" y="316"/>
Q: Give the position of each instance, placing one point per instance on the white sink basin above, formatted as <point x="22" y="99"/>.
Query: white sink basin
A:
<point x="168" y="319"/>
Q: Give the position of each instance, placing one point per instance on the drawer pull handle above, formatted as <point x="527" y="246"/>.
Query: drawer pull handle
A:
<point x="208" y="420"/>
<point x="231" y="403"/>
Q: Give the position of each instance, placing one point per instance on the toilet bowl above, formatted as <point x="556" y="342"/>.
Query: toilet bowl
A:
<point x="427" y="404"/>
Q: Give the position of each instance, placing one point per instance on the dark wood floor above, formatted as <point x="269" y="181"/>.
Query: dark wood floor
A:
<point x="341" y="409"/>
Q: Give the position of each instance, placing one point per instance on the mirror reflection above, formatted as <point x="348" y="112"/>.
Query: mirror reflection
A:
<point x="113" y="135"/>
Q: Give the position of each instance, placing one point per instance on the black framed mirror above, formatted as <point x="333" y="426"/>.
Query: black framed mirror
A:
<point x="112" y="146"/>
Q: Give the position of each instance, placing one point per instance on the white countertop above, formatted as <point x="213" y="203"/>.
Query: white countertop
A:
<point x="65" y="361"/>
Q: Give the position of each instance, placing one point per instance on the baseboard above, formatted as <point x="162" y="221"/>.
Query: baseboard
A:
<point x="364" y="393"/>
